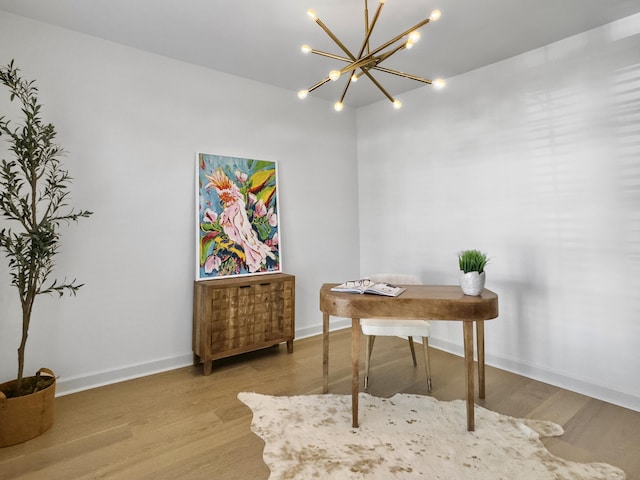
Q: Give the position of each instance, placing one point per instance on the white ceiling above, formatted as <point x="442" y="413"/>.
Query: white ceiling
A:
<point x="261" y="40"/>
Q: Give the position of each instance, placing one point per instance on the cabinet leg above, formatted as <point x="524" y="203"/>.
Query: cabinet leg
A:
<point x="289" y="346"/>
<point x="196" y="360"/>
<point x="207" y="366"/>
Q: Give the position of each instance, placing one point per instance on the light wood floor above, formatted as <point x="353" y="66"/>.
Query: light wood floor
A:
<point x="183" y="425"/>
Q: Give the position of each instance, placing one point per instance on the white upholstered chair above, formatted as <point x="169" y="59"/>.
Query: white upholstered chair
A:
<point x="373" y="327"/>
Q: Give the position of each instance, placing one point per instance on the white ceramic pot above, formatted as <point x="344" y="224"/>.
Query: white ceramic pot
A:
<point x="472" y="283"/>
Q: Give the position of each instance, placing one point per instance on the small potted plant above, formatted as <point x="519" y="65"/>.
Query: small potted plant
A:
<point x="471" y="275"/>
<point x="34" y="191"/>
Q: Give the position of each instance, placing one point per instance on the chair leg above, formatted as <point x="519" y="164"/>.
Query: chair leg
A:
<point x="413" y="351"/>
<point x="427" y="363"/>
<point x="370" y="341"/>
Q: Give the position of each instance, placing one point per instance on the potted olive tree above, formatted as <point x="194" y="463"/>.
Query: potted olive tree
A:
<point x="34" y="195"/>
<point x="471" y="275"/>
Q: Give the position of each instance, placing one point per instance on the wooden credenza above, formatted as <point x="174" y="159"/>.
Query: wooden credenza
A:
<point x="238" y="315"/>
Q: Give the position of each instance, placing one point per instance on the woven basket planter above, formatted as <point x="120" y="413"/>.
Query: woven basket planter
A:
<point x="26" y="417"/>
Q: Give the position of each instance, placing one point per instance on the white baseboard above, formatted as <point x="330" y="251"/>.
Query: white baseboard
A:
<point x="546" y="376"/>
<point x="66" y="386"/>
<point x="336" y="324"/>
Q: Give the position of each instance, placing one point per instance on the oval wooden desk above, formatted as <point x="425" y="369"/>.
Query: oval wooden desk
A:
<point x="421" y="302"/>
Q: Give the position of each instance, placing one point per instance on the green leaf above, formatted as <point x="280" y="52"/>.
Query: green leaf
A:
<point x="472" y="261"/>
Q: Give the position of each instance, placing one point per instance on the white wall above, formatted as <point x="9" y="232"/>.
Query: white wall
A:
<point x="131" y="123"/>
<point x="535" y="160"/>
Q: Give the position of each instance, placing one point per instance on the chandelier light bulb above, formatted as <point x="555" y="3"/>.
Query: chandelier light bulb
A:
<point x="397" y="104"/>
<point x="438" y="83"/>
<point x="414" y="36"/>
<point x="337" y="106"/>
<point x="435" y="15"/>
<point x="354" y="78"/>
<point x="302" y="94"/>
<point x="334" y="75"/>
<point x="305" y="49"/>
<point x="312" y="14"/>
<point x="408" y="45"/>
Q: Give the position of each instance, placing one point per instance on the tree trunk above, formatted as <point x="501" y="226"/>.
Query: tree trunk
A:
<point x="26" y="319"/>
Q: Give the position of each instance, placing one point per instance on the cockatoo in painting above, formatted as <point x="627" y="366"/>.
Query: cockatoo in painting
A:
<point x="236" y="224"/>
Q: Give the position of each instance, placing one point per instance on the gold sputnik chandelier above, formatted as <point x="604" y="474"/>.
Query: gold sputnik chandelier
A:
<point x="367" y="59"/>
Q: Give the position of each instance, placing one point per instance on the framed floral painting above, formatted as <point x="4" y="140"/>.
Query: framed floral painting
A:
<point x="237" y="217"/>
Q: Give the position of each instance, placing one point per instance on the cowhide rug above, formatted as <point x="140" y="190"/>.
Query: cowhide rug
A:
<point x="405" y="437"/>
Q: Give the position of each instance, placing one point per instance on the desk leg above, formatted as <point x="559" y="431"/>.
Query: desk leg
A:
<point x="468" y="372"/>
<point x="325" y="352"/>
<point x="355" y="369"/>
<point x="480" y="342"/>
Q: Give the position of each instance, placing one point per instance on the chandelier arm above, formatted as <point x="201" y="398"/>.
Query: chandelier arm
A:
<point x="398" y="37"/>
<point x="377" y="84"/>
<point x="344" y="92"/>
<point x="386" y="55"/>
<point x="334" y="38"/>
<point x="403" y="74"/>
<point x="318" y="85"/>
<point x="361" y="63"/>
<point x="331" y="55"/>
<point x="365" y="42"/>
<point x="366" y="17"/>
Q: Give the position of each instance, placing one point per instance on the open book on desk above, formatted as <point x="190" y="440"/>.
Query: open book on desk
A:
<point x="367" y="286"/>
